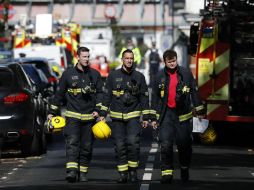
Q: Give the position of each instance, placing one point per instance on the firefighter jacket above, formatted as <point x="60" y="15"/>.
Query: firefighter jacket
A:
<point x="80" y="91"/>
<point x="186" y="95"/>
<point x="126" y="96"/>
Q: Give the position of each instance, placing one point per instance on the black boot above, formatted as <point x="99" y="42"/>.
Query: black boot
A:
<point x="123" y="177"/>
<point x="133" y="176"/>
<point x="185" y="174"/>
<point x="71" y="176"/>
<point x="166" y="179"/>
<point x="83" y="177"/>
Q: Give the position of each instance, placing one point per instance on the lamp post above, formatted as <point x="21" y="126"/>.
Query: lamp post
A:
<point x="155" y="20"/>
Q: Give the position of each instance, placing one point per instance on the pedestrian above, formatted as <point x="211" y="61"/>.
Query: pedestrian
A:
<point x="126" y="96"/>
<point x="80" y="89"/>
<point x="136" y="51"/>
<point x="153" y="59"/>
<point x="173" y="94"/>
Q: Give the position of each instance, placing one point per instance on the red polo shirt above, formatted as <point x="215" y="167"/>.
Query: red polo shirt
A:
<point x="172" y="89"/>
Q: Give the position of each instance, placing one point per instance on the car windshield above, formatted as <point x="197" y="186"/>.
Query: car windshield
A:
<point x="6" y="78"/>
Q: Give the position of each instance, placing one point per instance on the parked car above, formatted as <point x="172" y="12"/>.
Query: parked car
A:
<point x="43" y="65"/>
<point x="21" y="120"/>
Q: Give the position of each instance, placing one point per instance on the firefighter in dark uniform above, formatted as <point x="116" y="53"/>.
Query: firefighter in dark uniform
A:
<point x="173" y="94"/>
<point x="80" y="89"/>
<point x="126" y="96"/>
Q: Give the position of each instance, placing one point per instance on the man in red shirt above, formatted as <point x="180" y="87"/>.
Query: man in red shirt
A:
<point x="174" y="96"/>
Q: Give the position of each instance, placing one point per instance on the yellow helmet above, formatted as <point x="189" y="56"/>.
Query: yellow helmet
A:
<point x="209" y="136"/>
<point x="56" y="124"/>
<point x="101" y="130"/>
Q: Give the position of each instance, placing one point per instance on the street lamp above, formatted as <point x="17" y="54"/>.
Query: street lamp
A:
<point x="155" y="21"/>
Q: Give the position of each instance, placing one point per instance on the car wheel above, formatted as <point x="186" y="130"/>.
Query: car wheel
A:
<point x="26" y="142"/>
<point x="36" y="143"/>
<point x="43" y="143"/>
<point x="30" y="146"/>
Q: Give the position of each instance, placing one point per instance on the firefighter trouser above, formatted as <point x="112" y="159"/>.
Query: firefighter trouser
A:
<point x="126" y="136"/>
<point x="79" y="141"/>
<point x="171" y="129"/>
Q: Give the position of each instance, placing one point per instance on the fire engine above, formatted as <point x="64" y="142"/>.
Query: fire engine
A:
<point x="223" y="46"/>
<point x="65" y="35"/>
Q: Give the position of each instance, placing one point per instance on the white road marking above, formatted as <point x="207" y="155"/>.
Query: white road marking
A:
<point x="147" y="176"/>
<point x="15" y="169"/>
<point x="154" y="145"/>
<point x="10" y="173"/>
<point x="144" y="187"/>
<point x="20" y="165"/>
<point x="151" y="158"/>
<point x="149" y="167"/>
<point x="4" y="177"/>
<point x="252" y="174"/>
<point x="153" y="150"/>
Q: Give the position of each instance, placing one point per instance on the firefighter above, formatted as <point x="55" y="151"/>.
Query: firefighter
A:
<point x="136" y="51"/>
<point x="80" y="88"/>
<point x="126" y="96"/>
<point x="173" y="90"/>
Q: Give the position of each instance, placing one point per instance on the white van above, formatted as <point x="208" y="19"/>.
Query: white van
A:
<point x="55" y="54"/>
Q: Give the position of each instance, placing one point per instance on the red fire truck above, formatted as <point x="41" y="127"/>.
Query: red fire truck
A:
<point x="223" y="47"/>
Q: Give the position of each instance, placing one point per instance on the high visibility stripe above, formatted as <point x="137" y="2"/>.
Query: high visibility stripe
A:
<point x="72" y="165"/>
<point x="122" y="167"/>
<point x="104" y="108"/>
<point x="53" y="107"/>
<point x="129" y="115"/>
<point x="185" y="117"/>
<point x="117" y="93"/>
<point x="152" y="112"/>
<point x="132" y="164"/>
<point x="146" y="111"/>
<point x="157" y="116"/>
<point x="220" y="94"/>
<point x="167" y="172"/>
<point x="79" y="115"/>
<point x="116" y="114"/>
<point x="83" y="168"/>
<point x="211" y="108"/>
<point x="74" y="90"/>
<point x="98" y="104"/>
<point x="198" y="108"/>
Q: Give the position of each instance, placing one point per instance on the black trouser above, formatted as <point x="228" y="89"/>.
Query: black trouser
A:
<point x="126" y="136"/>
<point x="154" y="68"/>
<point x="171" y="129"/>
<point x="79" y="141"/>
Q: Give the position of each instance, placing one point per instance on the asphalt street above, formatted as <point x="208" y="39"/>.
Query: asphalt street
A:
<point x="214" y="167"/>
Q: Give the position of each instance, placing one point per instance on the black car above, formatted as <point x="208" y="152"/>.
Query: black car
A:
<point x="43" y="65"/>
<point x="21" y="120"/>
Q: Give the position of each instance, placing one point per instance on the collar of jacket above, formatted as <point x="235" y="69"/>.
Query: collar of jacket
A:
<point x="178" y="71"/>
<point x="125" y="72"/>
<point x="167" y="71"/>
<point x="84" y="71"/>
